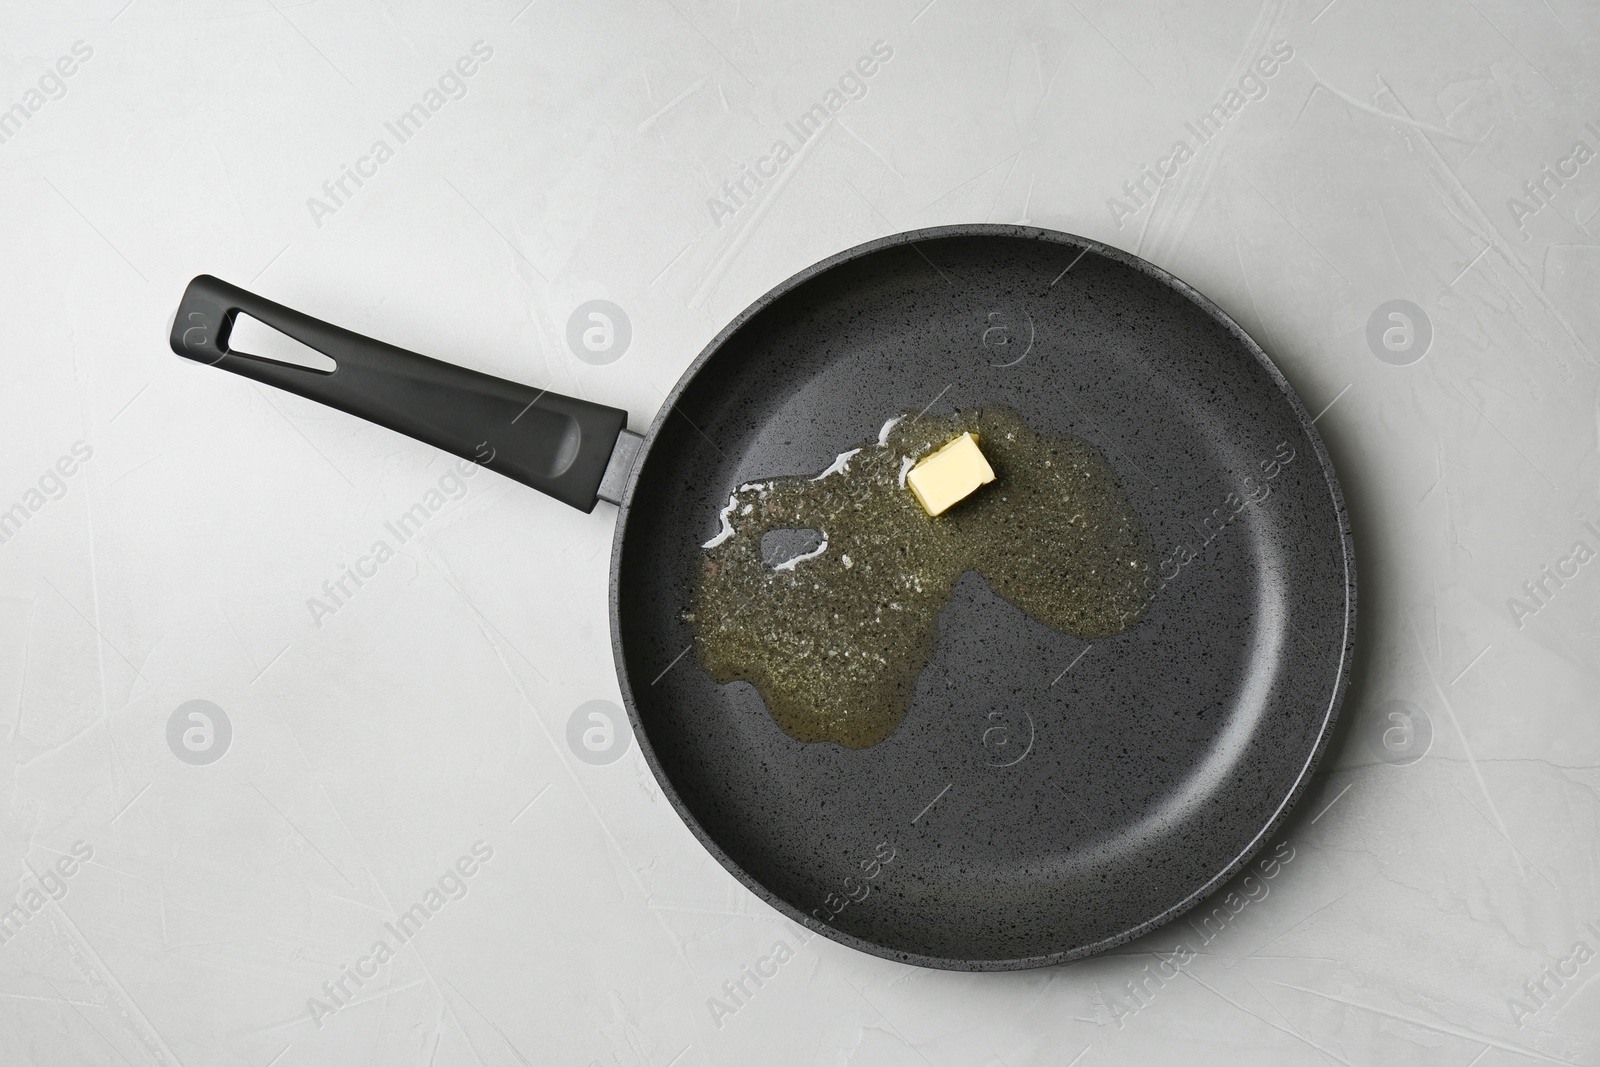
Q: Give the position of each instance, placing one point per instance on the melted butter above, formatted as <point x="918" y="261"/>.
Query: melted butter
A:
<point x="834" y="640"/>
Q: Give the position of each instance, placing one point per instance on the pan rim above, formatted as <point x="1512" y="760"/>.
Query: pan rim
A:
<point x="1331" y="713"/>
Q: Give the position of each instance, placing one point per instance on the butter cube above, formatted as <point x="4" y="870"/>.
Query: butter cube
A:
<point x="949" y="474"/>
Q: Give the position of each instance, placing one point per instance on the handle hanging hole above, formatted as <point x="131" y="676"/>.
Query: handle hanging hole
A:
<point x="254" y="338"/>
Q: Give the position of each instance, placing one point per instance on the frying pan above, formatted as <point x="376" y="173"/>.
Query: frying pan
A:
<point x="1046" y="797"/>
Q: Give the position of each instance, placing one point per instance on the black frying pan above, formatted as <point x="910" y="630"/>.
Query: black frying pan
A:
<point x="1046" y="797"/>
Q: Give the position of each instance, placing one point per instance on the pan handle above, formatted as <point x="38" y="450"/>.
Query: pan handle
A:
<point x="557" y="444"/>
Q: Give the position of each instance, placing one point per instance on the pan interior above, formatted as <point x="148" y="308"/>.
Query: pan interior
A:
<point x="1046" y="796"/>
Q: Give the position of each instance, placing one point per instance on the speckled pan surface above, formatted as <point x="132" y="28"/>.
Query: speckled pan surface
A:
<point x="1046" y="798"/>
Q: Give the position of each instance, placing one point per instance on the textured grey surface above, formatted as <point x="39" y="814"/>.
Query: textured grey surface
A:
<point x="1434" y="905"/>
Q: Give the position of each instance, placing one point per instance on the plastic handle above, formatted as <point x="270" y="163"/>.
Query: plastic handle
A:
<point x="556" y="444"/>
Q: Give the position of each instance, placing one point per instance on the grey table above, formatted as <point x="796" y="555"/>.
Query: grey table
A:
<point x="274" y="796"/>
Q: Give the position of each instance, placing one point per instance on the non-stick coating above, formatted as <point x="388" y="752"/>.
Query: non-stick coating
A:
<point x="1033" y="816"/>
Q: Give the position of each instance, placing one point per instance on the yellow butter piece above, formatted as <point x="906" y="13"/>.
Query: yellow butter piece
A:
<point x="949" y="474"/>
